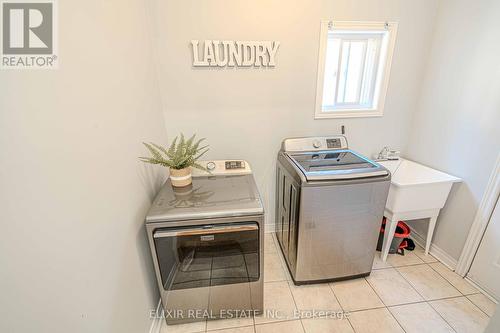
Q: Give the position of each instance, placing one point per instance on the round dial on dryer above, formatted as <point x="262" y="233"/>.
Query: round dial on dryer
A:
<point x="316" y="143"/>
<point x="210" y="166"/>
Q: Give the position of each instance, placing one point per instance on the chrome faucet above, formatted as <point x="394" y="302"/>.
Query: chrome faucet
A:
<point x="382" y="155"/>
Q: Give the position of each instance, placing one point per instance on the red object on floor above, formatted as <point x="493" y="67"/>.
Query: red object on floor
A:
<point x="402" y="231"/>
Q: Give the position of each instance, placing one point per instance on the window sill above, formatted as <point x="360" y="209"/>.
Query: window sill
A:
<point x="360" y="113"/>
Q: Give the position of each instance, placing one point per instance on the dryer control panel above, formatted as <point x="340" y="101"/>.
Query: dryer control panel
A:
<point x="222" y="167"/>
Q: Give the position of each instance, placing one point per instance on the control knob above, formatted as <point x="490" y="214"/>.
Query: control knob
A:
<point x="210" y="166"/>
<point x="316" y="143"/>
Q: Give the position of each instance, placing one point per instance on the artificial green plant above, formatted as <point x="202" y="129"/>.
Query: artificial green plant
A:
<point x="178" y="155"/>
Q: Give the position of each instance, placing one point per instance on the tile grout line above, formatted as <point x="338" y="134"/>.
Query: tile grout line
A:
<point x="428" y="301"/>
<point x="440" y="315"/>
<point x="435" y="260"/>
<point x="444" y="277"/>
<point x="278" y="249"/>
<point x="334" y="295"/>
<point x="224" y="329"/>
<point x="268" y="323"/>
<point x="253" y="316"/>
<point x="424" y="300"/>
<point x="385" y="305"/>
<point x="410" y="265"/>
<point x="477" y="306"/>
<point x="280" y="258"/>
<point x="379" y="296"/>
<point x="411" y="284"/>
<point x="279" y="321"/>
<point x="296" y="307"/>
<point x="350" y="324"/>
<point x="340" y="304"/>
<point x="279" y="253"/>
<point x="440" y="276"/>
<point x="409" y="303"/>
<point x="396" y="319"/>
<point x="435" y="270"/>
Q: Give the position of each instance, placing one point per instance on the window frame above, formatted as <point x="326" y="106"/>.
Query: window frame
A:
<point x="383" y="79"/>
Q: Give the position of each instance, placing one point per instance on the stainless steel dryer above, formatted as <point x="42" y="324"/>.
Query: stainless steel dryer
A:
<point x="206" y="241"/>
<point x="329" y="206"/>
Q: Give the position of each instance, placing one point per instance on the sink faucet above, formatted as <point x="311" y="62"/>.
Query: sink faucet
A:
<point x="382" y="155"/>
<point x="388" y="154"/>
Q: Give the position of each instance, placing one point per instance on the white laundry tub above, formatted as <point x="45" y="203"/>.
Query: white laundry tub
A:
<point x="416" y="192"/>
<point x="416" y="187"/>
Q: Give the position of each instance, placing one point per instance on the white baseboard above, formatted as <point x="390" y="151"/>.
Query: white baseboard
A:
<point x="484" y="292"/>
<point x="157" y="320"/>
<point x="435" y="251"/>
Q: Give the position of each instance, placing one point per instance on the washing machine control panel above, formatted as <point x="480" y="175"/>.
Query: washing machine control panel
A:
<point x="222" y="167"/>
<point x="334" y="143"/>
<point x="315" y="143"/>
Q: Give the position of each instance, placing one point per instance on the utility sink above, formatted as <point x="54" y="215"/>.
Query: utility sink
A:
<point x="416" y="187"/>
<point x="416" y="192"/>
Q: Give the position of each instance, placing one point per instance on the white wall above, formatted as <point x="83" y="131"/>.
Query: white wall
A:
<point x="246" y="112"/>
<point x="456" y="125"/>
<point x="73" y="196"/>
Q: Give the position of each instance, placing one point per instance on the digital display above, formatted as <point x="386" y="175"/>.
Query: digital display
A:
<point x="230" y="165"/>
<point x="333" y="143"/>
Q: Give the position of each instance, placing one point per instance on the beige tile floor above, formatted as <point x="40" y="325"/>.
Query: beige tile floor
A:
<point x="411" y="293"/>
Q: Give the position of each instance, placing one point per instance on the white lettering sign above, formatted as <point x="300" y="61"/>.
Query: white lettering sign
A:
<point x="234" y="53"/>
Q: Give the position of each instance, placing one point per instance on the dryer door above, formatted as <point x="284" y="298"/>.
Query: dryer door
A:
<point x="208" y="255"/>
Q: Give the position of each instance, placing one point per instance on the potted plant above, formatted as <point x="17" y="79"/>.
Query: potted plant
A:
<point x="180" y="157"/>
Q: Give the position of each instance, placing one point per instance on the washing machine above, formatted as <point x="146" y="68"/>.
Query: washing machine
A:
<point x="329" y="206"/>
<point x="206" y="242"/>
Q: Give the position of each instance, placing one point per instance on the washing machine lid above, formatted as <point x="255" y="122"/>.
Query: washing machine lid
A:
<point x="208" y="197"/>
<point x="335" y="164"/>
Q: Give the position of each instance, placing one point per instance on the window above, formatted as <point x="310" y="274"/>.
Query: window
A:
<point x="353" y="68"/>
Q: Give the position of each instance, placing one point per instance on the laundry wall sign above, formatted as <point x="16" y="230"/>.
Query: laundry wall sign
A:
<point x="228" y="53"/>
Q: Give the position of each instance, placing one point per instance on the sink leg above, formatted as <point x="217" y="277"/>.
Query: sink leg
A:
<point x="390" y="228"/>
<point x="430" y="232"/>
